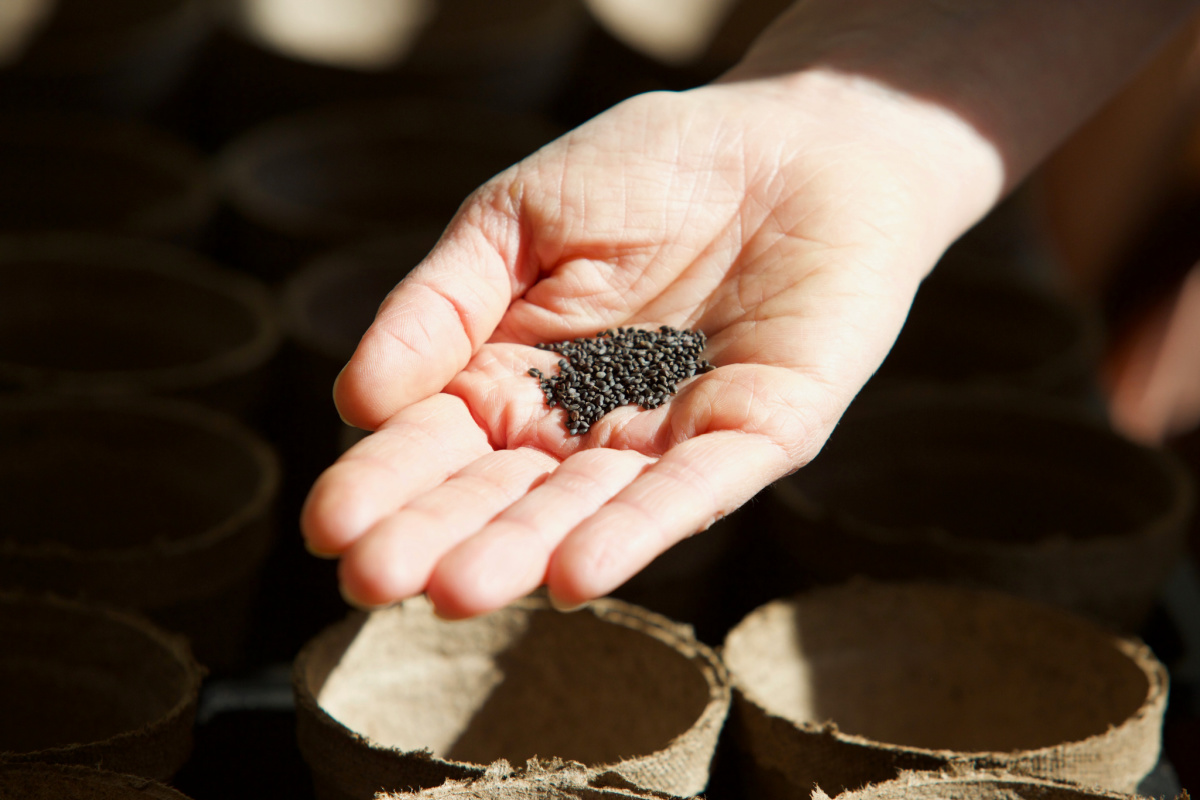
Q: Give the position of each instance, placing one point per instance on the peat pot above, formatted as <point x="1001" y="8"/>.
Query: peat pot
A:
<point x="110" y="56"/>
<point x="537" y="780"/>
<point x="93" y="314"/>
<point x="34" y="781"/>
<point x="970" y="785"/>
<point x="143" y="503"/>
<point x="1019" y="493"/>
<point x="85" y="684"/>
<point x="285" y="55"/>
<point x="845" y="686"/>
<point x="399" y="700"/>
<point x="993" y="331"/>
<point x="300" y="184"/>
<point x="91" y="173"/>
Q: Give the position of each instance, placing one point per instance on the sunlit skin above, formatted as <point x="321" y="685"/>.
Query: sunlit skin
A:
<point x="790" y="219"/>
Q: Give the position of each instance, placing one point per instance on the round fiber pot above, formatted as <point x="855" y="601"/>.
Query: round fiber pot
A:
<point x="537" y="780"/>
<point x="92" y="173"/>
<point x="33" y="781"/>
<point x="142" y="503"/>
<point x="103" y="315"/>
<point x="301" y="184"/>
<point x="399" y="700"/>
<point x="979" y="330"/>
<point x="284" y="55"/>
<point x="84" y="684"/>
<point x="849" y="685"/>
<point x="1018" y="493"/>
<point x="971" y="785"/>
<point x="115" y="56"/>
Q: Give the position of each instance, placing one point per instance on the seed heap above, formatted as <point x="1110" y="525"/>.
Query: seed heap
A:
<point x="619" y="367"/>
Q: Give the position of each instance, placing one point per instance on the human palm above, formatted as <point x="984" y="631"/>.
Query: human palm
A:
<point x="794" y="246"/>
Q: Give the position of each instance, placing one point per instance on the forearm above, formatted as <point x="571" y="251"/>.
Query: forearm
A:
<point x="977" y="91"/>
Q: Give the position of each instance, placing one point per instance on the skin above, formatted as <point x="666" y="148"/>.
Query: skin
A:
<point x="789" y="210"/>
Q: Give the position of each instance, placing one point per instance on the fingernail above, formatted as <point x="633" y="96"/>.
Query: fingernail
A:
<point x="333" y="394"/>
<point x="444" y="617"/>
<point x="566" y="608"/>
<point x="312" y="551"/>
<point x="353" y="601"/>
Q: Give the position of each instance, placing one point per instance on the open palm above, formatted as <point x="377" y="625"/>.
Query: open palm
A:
<point x="795" y="246"/>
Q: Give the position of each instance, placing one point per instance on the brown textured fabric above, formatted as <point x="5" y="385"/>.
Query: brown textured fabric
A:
<point x="60" y="782"/>
<point x="88" y="685"/>
<point x="399" y="700"/>
<point x="849" y="685"/>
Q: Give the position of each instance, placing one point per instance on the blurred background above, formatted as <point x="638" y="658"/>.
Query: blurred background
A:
<point x="202" y="203"/>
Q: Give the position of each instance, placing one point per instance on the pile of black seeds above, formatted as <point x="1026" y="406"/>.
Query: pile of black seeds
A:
<point x="625" y="366"/>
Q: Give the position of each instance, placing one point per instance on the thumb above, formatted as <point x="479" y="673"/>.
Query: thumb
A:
<point x="435" y="319"/>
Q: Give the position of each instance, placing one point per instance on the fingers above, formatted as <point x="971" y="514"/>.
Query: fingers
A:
<point x="424" y="445"/>
<point x="693" y="484"/>
<point x="436" y="318"/>
<point x="507" y="559"/>
<point x="395" y="558"/>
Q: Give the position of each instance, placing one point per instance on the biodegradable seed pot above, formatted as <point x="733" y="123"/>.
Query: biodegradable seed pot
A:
<point x="300" y="184"/>
<point x="979" y="330"/>
<point x="117" y="57"/>
<point x="144" y="503"/>
<point x="289" y="54"/>
<point x="537" y="780"/>
<point x="85" y="684"/>
<point x="92" y="173"/>
<point x="94" y="314"/>
<point x="34" y="781"/>
<point x="972" y="785"/>
<point x="845" y="686"/>
<point x="399" y="700"/>
<point x="1015" y="492"/>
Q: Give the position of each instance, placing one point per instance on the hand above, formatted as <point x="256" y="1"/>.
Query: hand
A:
<point x="795" y="245"/>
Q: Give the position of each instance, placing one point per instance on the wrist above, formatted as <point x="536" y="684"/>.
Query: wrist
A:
<point x="947" y="172"/>
<point x="976" y="92"/>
